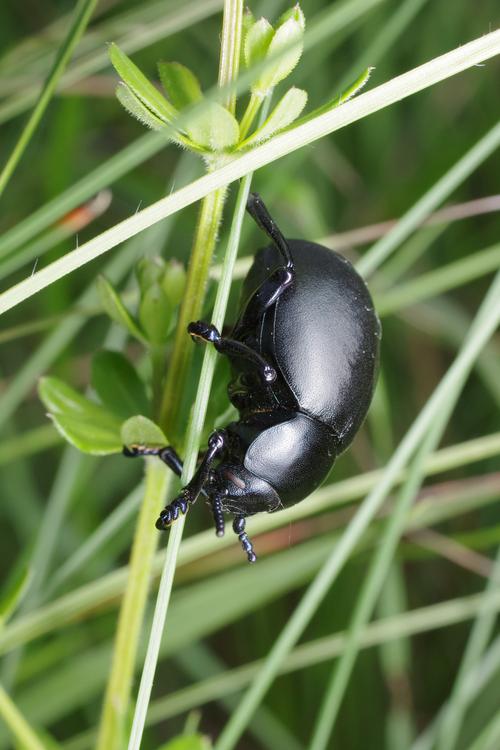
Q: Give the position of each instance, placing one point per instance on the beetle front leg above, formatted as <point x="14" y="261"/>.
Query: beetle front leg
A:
<point x="231" y="348"/>
<point x="217" y="444"/>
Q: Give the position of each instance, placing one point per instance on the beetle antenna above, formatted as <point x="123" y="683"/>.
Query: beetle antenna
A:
<point x="262" y="217"/>
<point x="239" y="529"/>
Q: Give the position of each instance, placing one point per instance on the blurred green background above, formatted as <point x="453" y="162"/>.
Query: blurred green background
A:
<point x="373" y="171"/>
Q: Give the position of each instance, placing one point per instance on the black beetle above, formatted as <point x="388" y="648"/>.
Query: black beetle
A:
<point x="304" y="354"/>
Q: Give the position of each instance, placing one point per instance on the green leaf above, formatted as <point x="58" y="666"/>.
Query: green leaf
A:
<point x="286" y="111"/>
<point x="257" y="41"/>
<point x="13" y="592"/>
<point x="116" y="309"/>
<point x="136" y="108"/>
<point x="150" y="271"/>
<point x="353" y="89"/>
<point x="174" y="281"/>
<point x="98" y="437"/>
<point x="118" y="385"/>
<point x="213" y="127"/>
<point x="180" y="84"/>
<point x="85" y="424"/>
<point x="286" y="48"/>
<point x="140" y="86"/>
<point x="188" y="742"/>
<point x="140" y="430"/>
<point x="155" y="314"/>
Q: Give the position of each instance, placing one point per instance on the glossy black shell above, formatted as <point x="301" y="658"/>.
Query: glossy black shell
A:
<point x="322" y="334"/>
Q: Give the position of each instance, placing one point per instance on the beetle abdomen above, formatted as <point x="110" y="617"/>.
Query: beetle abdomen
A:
<point x="324" y="336"/>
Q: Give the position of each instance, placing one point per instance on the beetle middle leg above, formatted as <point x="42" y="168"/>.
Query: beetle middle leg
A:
<point x="231" y="348"/>
<point x="217" y="444"/>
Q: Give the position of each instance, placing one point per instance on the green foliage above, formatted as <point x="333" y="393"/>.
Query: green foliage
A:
<point x="180" y="84"/>
<point x="57" y="646"/>
<point x="188" y="742"/>
<point x="140" y="430"/>
<point x="88" y="426"/>
<point x="201" y="123"/>
<point x="118" y="385"/>
<point x="13" y="591"/>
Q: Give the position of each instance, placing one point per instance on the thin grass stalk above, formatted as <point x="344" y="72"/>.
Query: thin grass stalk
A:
<point x="428" y="203"/>
<point x="105" y="174"/>
<point x="374" y="581"/>
<point x="118" y="691"/>
<point x="83" y="12"/>
<point x="135" y="35"/>
<point x="93" y="544"/>
<point x="28" y="443"/>
<point x="398" y="88"/>
<point x="21" y="731"/>
<point x="478" y="336"/>
<point x="441" y="280"/>
<point x="198" y="272"/>
<point x="96" y="594"/>
<point x="482" y="629"/>
<point x="404" y="625"/>
<point x="475" y="682"/>
<point x="400" y="18"/>
<point x="489" y="739"/>
<point x="192" y="445"/>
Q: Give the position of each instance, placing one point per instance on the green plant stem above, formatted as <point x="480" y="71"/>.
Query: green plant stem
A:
<point x="192" y="444"/>
<point x="83" y="11"/>
<point x="118" y="691"/>
<point x="19" y="727"/>
<point x="230" y="50"/>
<point x="250" y="114"/>
<point x="197" y="278"/>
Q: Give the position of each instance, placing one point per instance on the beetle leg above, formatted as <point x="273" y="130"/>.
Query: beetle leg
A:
<point x="167" y="454"/>
<point x="217" y="443"/>
<point x="260" y="214"/>
<point x="239" y="529"/>
<point x="216" y="504"/>
<point x="231" y="348"/>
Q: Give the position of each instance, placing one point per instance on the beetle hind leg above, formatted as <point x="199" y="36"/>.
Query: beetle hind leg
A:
<point x="239" y="530"/>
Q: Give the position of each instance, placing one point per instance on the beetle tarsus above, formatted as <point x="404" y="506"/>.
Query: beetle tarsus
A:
<point x="239" y="529"/>
<point x="172" y="511"/>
